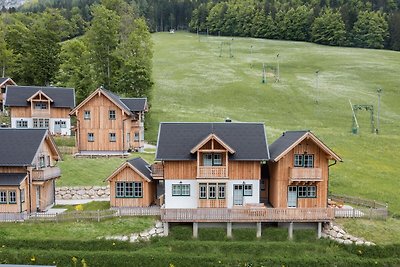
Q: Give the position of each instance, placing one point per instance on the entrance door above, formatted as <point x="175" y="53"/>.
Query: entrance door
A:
<point x="238" y="194"/>
<point x="57" y="127"/>
<point x="292" y="197"/>
<point x="37" y="198"/>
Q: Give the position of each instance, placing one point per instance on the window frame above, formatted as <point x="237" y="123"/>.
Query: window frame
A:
<point x="177" y="190"/>
<point x="132" y="189"/>
<point x="12" y="197"/>
<point x="203" y="192"/>
<point x="112" y="114"/>
<point x="308" y="158"/>
<point x="221" y="193"/>
<point x="3" y="196"/>
<point x="212" y="191"/>
<point x="112" y="137"/>
<point x="249" y="189"/>
<point x="307" y="191"/>
<point x="90" y="137"/>
<point x="298" y="160"/>
<point x="87" y="115"/>
<point x="22" y="124"/>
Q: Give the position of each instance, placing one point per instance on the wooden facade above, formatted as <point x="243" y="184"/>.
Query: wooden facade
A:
<point x="104" y="125"/>
<point x="298" y="183"/>
<point x="33" y="185"/>
<point x="3" y="84"/>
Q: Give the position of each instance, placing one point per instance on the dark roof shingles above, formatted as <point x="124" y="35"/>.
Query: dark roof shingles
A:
<point x="142" y="166"/>
<point x="19" y="146"/>
<point x="177" y="139"/>
<point x="10" y="179"/>
<point x="135" y="104"/>
<point x="62" y="97"/>
<point x="287" y="139"/>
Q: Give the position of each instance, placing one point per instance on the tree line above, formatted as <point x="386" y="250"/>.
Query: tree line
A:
<point x="359" y="23"/>
<point x="111" y="47"/>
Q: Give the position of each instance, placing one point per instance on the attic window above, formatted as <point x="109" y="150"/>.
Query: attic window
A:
<point x="111" y="114"/>
<point x="40" y="105"/>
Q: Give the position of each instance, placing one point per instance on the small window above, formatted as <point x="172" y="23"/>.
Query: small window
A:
<point x="203" y="191"/>
<point x="42" y="161"/>
<point x="63" y="124"/>
<point x="112" y="137"/>
<point x="40" y="105"/>
<point x="22" y="124"/>
<point x="212" y="191"/>
<point x="312" y="191"/>
<point x="128" y="189"/>
<point x="138" y="189"/>
<point x="181" y="189"/>
<point x="217" y="160"/>
<point x="3" y="197"/>
<point x="22" y="195"/>
<point x="247" y="190"/>
<point x="308" y="161"/>
<point x="12" y="197"/>
<point x="86" y="115"/>
<point x="207" y="159"/>
<point x="90" y="137"/>
<point x="111" y="114"/>
<point x="298" y="160"/>
<point x="136" y="138"/>
<point x="221" y="191"/>
<point x="35" y="123"/>
<point x="119" y="189"/>
<point x="46" y="123"/>
<point x="176" y="190"/>
<point x="302" y="191"/>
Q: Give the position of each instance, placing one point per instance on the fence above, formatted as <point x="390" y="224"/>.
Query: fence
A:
<point x="68" y="150"/>
<point x="137" y="211"/>
<point x="74" y="216"/>
<point x="13" y="217"/>
<point x="365" y="208"/>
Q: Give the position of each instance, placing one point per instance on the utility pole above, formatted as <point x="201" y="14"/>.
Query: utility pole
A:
<point x="379" y="91"/>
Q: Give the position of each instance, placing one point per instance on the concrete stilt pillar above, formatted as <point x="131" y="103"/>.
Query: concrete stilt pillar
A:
<point x="319" y="231"/>
<point x="166" y="228"/>
<point x="290" y="230"/>
<point x="195" y="229"/>
<point x="229" y="230"/>
<point x="259" y="230"/>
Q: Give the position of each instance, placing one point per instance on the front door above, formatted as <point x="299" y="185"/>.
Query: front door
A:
<point x="238" y="194"/>
<point x="37" y="198"/>
<point x="292" y="197"/>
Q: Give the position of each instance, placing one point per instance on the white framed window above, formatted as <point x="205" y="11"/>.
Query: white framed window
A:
<point x="42" y="161"/>
<point x="63" y="124"/>
<point x="112" y="137"/>
<point x="86" y="115"/>
<point x="307" y="191"/>
<point x="247" y="190"/>
<point x="90" y="137"/>
<point x="210" y="159"/>
<point x="22" y="124"/>
<point x="298" y="160"/>
<point x="308" y="161"/>
<point x="40" y="105"/>
<point x="212" y="191"/>
<point x="207" y="159"/>
<point x="202" y="191"/>
<point x="112" y="114"/>
<point x="181" y="189"/>
<point x="217" y="159"/>
<point x="221" y="191"/>
<point x="3" y="197"/>
<point x="12" y="197"/>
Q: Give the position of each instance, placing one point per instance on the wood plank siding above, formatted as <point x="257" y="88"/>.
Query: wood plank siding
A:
<point x="129" y="175"/>
<point x="280" y="179"/>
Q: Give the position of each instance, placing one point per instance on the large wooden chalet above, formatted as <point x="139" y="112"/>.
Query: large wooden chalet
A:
<point x="41" y="107"/>
<point x="4" y="81"/>
<point x="107" y="124"/>
<point x="27" y="170"/>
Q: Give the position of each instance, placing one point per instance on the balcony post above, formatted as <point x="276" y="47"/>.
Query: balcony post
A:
<point x="166" y="230"/>
<point x="319" y="230"/>
<point x="290" y="230"/>
<point x="258" y="230"/>
<point x="229" y="229"/>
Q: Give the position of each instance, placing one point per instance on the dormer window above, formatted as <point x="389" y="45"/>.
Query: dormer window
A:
<point x="40" y="105"/>
<point x="210" y="159"/>
<point x="304" y="160"/>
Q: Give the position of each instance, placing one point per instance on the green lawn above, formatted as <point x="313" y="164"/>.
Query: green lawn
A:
<point x="92" y="171"/>
<point x="192" y="83"/>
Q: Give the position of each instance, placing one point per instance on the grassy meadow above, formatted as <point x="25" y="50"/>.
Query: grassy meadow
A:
<point x="194" y="83"/>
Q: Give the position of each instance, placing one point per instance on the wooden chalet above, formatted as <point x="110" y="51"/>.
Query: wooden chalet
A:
<point x="4" y="81"/>
<point x="41" y="107"/>
<point x="131" y="185"/>
<point x="299" y="171"/>
<point x="225" y="172"/>
<point x="109" y="125"/>
<point x="27" y="170"/>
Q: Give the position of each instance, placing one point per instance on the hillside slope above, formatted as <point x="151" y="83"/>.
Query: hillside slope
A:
<point x="196" y="80"/>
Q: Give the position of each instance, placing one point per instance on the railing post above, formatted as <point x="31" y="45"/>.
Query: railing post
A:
<point x="290" y="230"/>
<point x="195" y="229"/>
<point x="229" y="229"/>
<point x="319" y="233"/>
<point x="258" y="230"/>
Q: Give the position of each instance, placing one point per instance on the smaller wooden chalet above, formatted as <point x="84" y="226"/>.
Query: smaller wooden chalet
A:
<point x="108" y="124"/>
<point x="4" y="81"/>
<point x="28" y="170"/>
<point x="131" y="185"/>
<point x="299" y="171"/>
<point x="41" y="107"/>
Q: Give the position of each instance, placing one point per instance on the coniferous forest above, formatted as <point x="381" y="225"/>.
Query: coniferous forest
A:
<point x="88" y="43"/>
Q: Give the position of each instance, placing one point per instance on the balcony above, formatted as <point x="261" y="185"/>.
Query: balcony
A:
<point x="248" y="214"/>
<point x="305" y="174"/>
<point x="157" y="170"/>
<point x="46" y="173"/>
<point x="41" y="113"/>
<point x="212" y="172"/>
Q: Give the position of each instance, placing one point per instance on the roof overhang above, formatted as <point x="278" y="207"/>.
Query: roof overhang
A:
<point x="40" y="93"/>
<point x="8" y="81"/>
<point x="311" y="136"/>
<point x="122" y="167"/>
<point x="212" y="137"/>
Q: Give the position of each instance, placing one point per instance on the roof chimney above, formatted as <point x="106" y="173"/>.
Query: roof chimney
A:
<point x="228" y="119"/>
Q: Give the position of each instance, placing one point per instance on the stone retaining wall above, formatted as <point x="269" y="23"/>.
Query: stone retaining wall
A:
<point x="82" y="192"/>
<point x="335" y="233"/>
<point x="157" y="230"/>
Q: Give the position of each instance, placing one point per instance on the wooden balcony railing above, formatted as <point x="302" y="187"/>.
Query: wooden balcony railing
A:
<point x="157" y="170"/>
<point x="248" y="215"/>
<point x="305" y="174"/>
<point x="46" y="173"/>
<point x="41" y="113"/>
<point x="212" y="172"/>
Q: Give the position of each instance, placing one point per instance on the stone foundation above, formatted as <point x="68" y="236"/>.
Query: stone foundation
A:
<point x="83" y="192"/>
<point x="335" y="233"/>
<point x="157" y="230"/>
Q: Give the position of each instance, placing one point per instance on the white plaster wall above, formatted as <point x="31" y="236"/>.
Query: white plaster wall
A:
<point x="181" y="202"/>
<point x="64" y="131"/>
<point x="255" y="198"/>
<point x="14" y="122"/>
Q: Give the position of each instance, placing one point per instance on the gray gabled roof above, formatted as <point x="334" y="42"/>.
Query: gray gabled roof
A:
<point x="286" y="140"/>
<point x="142" y="166"/>
<point x="18" y="147"/>
<point x="248" y="140"/>
<point x="11" y="179"/>
<point x="135" y="104"/>
<point x="17" y="95"/>
<point x="4" y="80"/>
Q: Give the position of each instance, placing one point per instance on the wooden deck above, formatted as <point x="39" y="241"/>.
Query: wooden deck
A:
<point x="46" y="173"/>
<point x="248" y="215"/>
<point x="212" y="172"/>
<point x="305" y="174"/>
